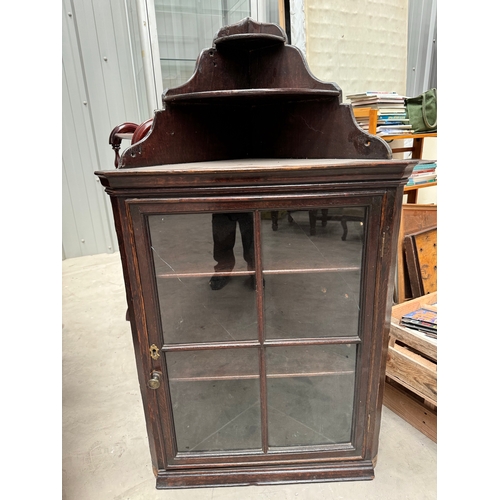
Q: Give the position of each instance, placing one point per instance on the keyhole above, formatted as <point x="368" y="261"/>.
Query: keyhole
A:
<point x="154" y="351"/>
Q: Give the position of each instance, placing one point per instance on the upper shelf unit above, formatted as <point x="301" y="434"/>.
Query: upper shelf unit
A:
<point x="252" y="96"/>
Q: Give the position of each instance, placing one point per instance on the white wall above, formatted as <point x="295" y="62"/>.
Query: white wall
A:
<point x="359" y="44"/>
<point x="362" y="45"/>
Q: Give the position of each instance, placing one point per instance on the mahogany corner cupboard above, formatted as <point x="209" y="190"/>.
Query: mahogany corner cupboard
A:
<point x="257" y="226"/>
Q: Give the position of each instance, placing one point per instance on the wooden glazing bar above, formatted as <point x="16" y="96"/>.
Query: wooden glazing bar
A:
<point x="312" y="341"/>
<point x="252" y="377"/>
<point x="312" y="270"/>
<point x="210" y="345"/>
<point x="263" y="400"/>
<point x="268" y="271"/>
<point x="301" y="341"/>
<point x="204" y="275"/>
<point x="259" y="288"/>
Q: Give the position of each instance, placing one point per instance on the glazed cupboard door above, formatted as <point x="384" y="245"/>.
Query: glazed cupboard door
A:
<point x="257" y="316"/>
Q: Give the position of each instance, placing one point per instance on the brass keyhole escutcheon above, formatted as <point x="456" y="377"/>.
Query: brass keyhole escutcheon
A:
<point x="154" y="381"/>
<point x="154" y="351"/>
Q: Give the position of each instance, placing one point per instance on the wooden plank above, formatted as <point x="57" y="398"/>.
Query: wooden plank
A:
<point x="420" y="251"/>
<point x="411" y="410"/>
<point x="414" y="339"/>
<point x="411" y="258"/>
<point x="416" y="187"/>
<point x="399" y="310"/>
<point x="413" y="218"/>
<point x="426" y="246"/>
<point x="408" y="136"/>
<point x="413" y="372"/>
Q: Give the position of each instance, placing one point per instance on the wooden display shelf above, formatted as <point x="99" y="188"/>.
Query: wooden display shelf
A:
<point x="412" y="191"/>
<point x="417" y="147"/>
<point x="411" y="373"/>
<point x="408" y="136"/>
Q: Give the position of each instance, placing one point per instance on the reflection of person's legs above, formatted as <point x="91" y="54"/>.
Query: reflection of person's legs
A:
<point x="224" y="235"/>
<point x="247" y="238"/>
<point x="245" y="222"/>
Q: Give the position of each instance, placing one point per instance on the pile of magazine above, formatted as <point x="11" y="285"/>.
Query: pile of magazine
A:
<point x="423" y="319"/>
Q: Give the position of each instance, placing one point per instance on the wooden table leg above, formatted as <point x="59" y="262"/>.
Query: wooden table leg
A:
<point x="412" y="196"/>
<point x="417" y="148"/>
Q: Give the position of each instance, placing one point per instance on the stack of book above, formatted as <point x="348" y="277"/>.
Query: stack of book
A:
<point x="392" y="118"/>
<point x="424" y="320"/>
<point x="423" y="173"/>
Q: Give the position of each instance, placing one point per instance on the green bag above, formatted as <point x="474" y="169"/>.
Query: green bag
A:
<point x="422" y="111"/>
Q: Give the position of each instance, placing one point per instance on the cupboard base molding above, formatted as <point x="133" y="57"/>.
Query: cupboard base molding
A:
<point x="248" y="476"/>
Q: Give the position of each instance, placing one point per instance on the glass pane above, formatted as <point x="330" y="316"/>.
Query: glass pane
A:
<point x="311" y="305"/>
<point x="175" y="72"/>
<point x="312" y="281"/>
<point x="312" y="239"/>
<point x="204" y="266"/>
<point x="310" y="394"/>
<point x="215" y="399"/>
<point x="186" y="27"/>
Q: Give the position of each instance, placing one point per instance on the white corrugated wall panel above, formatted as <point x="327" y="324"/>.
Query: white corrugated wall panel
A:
<point x="422" y="46"/>
<point x="100" y="90"/>
<point x="85" y="226"/>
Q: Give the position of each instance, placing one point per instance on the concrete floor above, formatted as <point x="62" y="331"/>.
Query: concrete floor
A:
<point x="105" y="451"/>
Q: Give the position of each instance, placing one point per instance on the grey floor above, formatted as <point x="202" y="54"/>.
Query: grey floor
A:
<point x="105" y="448"/>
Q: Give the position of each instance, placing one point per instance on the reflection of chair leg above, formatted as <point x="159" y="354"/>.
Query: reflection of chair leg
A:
<point x="324" y="217"/>
<point x="290" y="218"/>
<point x="312" y="222"/>
<point x="274" y="220"/>
<point x="344" y="227"/>
<point x="352" y="218"/>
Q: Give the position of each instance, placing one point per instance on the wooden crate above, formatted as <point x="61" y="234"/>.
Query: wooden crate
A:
<point x="411" y="373"/>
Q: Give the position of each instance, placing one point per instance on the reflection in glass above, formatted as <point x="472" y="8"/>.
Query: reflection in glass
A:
<point x="202" y="243"/>
<point x="182" y="243"/>
<point x="301" y="241"/>
<point x="312" y="275"/>
<point x="310" y="394"/>
<point x="197" y="305"/>
<point x="215" y="399"/>
<point x="192" y="312"/>
<point x="224" y="237"/>
<point x="186" y="27"/>
<point x="305" y="305"/>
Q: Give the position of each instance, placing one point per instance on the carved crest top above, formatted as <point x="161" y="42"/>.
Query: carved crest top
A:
<point x="252" y="95"/>
<point x="248" y="30"/>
